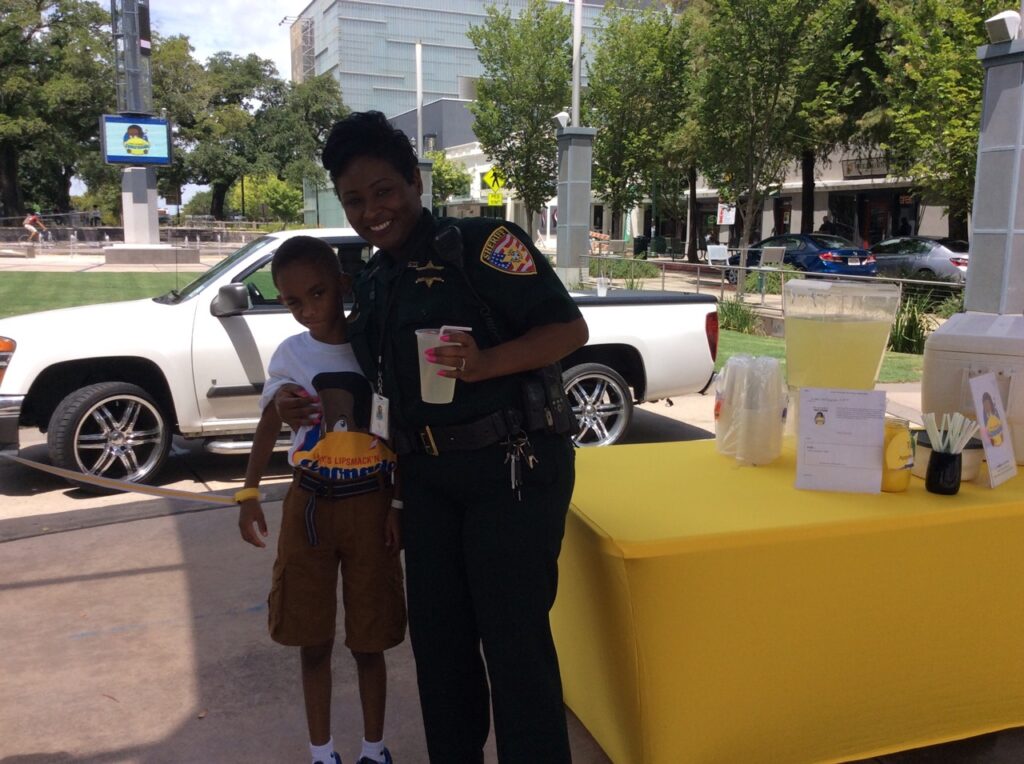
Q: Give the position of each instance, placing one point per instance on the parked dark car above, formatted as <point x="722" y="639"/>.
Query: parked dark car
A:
<point x="814" y="253"/>
<point x="923" y="257"/>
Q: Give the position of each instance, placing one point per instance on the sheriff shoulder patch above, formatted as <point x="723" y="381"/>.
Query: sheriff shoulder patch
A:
<point x="504" y="252"/>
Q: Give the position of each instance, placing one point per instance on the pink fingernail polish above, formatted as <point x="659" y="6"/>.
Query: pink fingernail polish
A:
<point x="429" y="354"/>
<point x="446" y="338"/>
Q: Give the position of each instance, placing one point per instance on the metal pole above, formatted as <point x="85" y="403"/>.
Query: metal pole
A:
<point x="419" y="98"/>
<point x="577" y="42"/>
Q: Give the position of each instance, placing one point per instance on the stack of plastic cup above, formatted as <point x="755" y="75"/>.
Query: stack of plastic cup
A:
<point x="750" y="409"/>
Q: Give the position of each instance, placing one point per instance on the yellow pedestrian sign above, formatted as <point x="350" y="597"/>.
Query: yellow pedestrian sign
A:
<point x="494" y="179"/>
<point x="495" y="199"/>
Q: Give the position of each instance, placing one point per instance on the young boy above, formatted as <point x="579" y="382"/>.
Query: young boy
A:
<point x="339" y="508"/>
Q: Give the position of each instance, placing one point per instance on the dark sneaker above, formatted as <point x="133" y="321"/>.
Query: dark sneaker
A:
<point x="368" y="760"/>
<point x="335" y="759"/>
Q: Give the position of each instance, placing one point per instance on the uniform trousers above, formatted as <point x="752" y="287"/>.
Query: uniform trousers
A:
<point x="481" y="574"/>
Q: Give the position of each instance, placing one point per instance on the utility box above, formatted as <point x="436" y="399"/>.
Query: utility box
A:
<point x="969" y="344"/>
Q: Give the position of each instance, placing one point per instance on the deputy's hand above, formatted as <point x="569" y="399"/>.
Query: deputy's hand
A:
<point x="252" y="524"/>
<point x="468" y="360"/>
<point x="296" y="407"/>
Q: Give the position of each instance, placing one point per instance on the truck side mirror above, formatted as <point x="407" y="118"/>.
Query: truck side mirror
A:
<point x="231" y="300"/>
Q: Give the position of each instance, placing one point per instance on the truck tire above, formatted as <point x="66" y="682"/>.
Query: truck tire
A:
<point x="601" y="402"/>
<point x="110" y="429"/>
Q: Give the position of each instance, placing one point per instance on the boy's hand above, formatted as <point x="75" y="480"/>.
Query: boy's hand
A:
<point x="296" y="407"/>
<point x="393" y="531"/>
<point x="250" y="512"/>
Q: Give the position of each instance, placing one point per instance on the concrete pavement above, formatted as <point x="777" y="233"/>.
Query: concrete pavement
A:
<point x="135" y="628"/>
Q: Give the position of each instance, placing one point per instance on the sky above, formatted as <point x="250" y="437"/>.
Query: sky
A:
<point x="232" y="25"/>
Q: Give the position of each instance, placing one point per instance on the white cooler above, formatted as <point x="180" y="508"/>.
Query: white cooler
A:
<point x="969" y="344"/>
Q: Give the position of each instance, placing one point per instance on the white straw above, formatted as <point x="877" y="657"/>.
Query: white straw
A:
<point x="933" y="431"/>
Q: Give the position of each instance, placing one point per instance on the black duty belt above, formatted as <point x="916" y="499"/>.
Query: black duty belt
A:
<point x="323" y="489"/>
<point x="483" y="432"/>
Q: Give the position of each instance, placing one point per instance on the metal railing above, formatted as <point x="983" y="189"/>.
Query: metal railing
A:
<point x="678" y="276"/>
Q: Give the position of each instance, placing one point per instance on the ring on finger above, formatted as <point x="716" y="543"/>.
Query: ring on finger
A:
<point x="462" y="364"/>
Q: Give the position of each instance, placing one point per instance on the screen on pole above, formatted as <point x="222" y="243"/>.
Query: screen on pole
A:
<point x="135" y="140"/>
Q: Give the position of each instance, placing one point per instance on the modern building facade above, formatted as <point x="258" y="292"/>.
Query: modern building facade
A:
<point x="369" y="47"/>
<point x="865" y="203"/>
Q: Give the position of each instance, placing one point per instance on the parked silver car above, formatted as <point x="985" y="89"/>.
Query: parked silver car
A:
<point x="922" y="257"/>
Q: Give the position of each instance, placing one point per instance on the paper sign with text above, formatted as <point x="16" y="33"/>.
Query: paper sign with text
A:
<point x="993" y="429"/>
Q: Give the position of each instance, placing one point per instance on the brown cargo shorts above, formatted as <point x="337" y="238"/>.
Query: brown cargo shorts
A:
<point x="303" y="599"/>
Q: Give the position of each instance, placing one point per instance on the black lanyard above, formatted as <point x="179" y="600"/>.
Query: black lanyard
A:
<point x="388" y="307"/>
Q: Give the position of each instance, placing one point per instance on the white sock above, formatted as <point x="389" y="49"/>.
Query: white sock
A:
<point x="322" y="753"/>
<point x="373" y="751"/>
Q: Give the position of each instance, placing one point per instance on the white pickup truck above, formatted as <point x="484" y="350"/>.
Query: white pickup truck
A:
<point x="110" y="384"/>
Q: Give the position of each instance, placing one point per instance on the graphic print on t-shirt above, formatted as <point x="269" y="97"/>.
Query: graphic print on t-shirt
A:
<point x="341" y="447"/>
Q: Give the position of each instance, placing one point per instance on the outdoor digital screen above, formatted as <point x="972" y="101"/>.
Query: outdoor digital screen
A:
<point x="135" y="140"/>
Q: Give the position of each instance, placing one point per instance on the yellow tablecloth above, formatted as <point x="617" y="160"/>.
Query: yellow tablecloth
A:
<point x="709" y="612"/>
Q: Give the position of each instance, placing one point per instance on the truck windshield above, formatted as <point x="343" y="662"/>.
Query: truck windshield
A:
<point x="197" y="286"/>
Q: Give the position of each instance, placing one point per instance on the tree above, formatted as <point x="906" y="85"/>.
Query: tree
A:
<point x="182" y="90"/>
<point x="52" y="55"/>
<point x="527" y="65"/>
<point x="932" y="84"/>
<point x="759" y="77"/>
<point x="293" y="133"/>
<point x="267" y="197"/>
<point x="633" y="97"/>
<point x="226" y="144"/>
<point x="448" y="178"/>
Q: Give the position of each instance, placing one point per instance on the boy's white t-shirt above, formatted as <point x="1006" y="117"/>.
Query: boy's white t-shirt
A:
<point x="340" y="447"/>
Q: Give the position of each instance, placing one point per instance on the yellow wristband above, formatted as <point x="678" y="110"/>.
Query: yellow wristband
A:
<point x="247" y="493"/>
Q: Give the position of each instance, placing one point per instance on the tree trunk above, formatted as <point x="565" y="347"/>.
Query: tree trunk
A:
<point x="63" y="200"/>
<point x="10" y="192"/>
<point x="692" y="247"/>
<point x="957" y="224"/>
<point x="219" y="192"/>
<point x="806" y="192"/>
<point x="749" y="210"/>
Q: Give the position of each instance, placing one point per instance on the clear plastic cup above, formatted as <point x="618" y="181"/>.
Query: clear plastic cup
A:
<point x="602" y="286"/>
<point x="433" y="387"/>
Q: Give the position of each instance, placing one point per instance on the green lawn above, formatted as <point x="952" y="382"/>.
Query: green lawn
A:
<point x="896" y="367"/>
<point x="27" y="292"/>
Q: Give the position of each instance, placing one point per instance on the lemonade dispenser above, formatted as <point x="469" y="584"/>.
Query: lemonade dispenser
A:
<point x="836" y="332"/>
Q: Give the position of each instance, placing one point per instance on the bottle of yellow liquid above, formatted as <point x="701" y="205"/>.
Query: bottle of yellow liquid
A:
<point x="898" y="455"/>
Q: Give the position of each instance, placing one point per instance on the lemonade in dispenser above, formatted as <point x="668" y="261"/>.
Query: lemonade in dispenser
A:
<point x="836" y="332"/>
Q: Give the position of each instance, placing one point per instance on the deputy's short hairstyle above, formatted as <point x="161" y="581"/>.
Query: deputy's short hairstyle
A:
<point x="306" y="249"/>
<point x="368" y="133"/>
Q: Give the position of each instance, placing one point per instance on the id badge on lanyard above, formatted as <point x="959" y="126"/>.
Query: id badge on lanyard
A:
<point x="379" y="420"/>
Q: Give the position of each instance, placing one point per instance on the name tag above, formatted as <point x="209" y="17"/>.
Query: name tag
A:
<point x="379" y="416"/>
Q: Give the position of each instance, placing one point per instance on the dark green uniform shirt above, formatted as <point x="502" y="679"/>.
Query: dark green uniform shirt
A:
<point x="395" y="297"/>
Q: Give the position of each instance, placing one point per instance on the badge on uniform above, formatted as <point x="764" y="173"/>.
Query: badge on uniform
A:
<point x="379" y="420"/>
<point x="504" y="252"/>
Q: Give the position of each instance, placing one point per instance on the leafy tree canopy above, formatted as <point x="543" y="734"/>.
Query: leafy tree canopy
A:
<point x="266" y="198"/>
<point x="932" y="84"/>
<point x="527" y="64"/>
<point x="52" y="55"/>
<point x="637" y="83"/>
<point x="760" y="79"/>
<point x="448" y="179"/>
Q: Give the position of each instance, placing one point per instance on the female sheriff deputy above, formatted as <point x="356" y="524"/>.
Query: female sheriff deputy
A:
<point x="486" y="479"/>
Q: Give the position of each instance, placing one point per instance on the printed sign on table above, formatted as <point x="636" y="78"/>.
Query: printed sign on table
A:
<point x="993" y="429"/>
<point x="841" y="435"/>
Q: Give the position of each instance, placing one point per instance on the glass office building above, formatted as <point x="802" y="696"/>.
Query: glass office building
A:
<point x="369" y="46"/>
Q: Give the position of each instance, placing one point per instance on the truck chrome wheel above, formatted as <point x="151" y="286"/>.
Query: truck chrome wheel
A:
<point x="601" y="402"/>
<point x="110" y="429"/>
